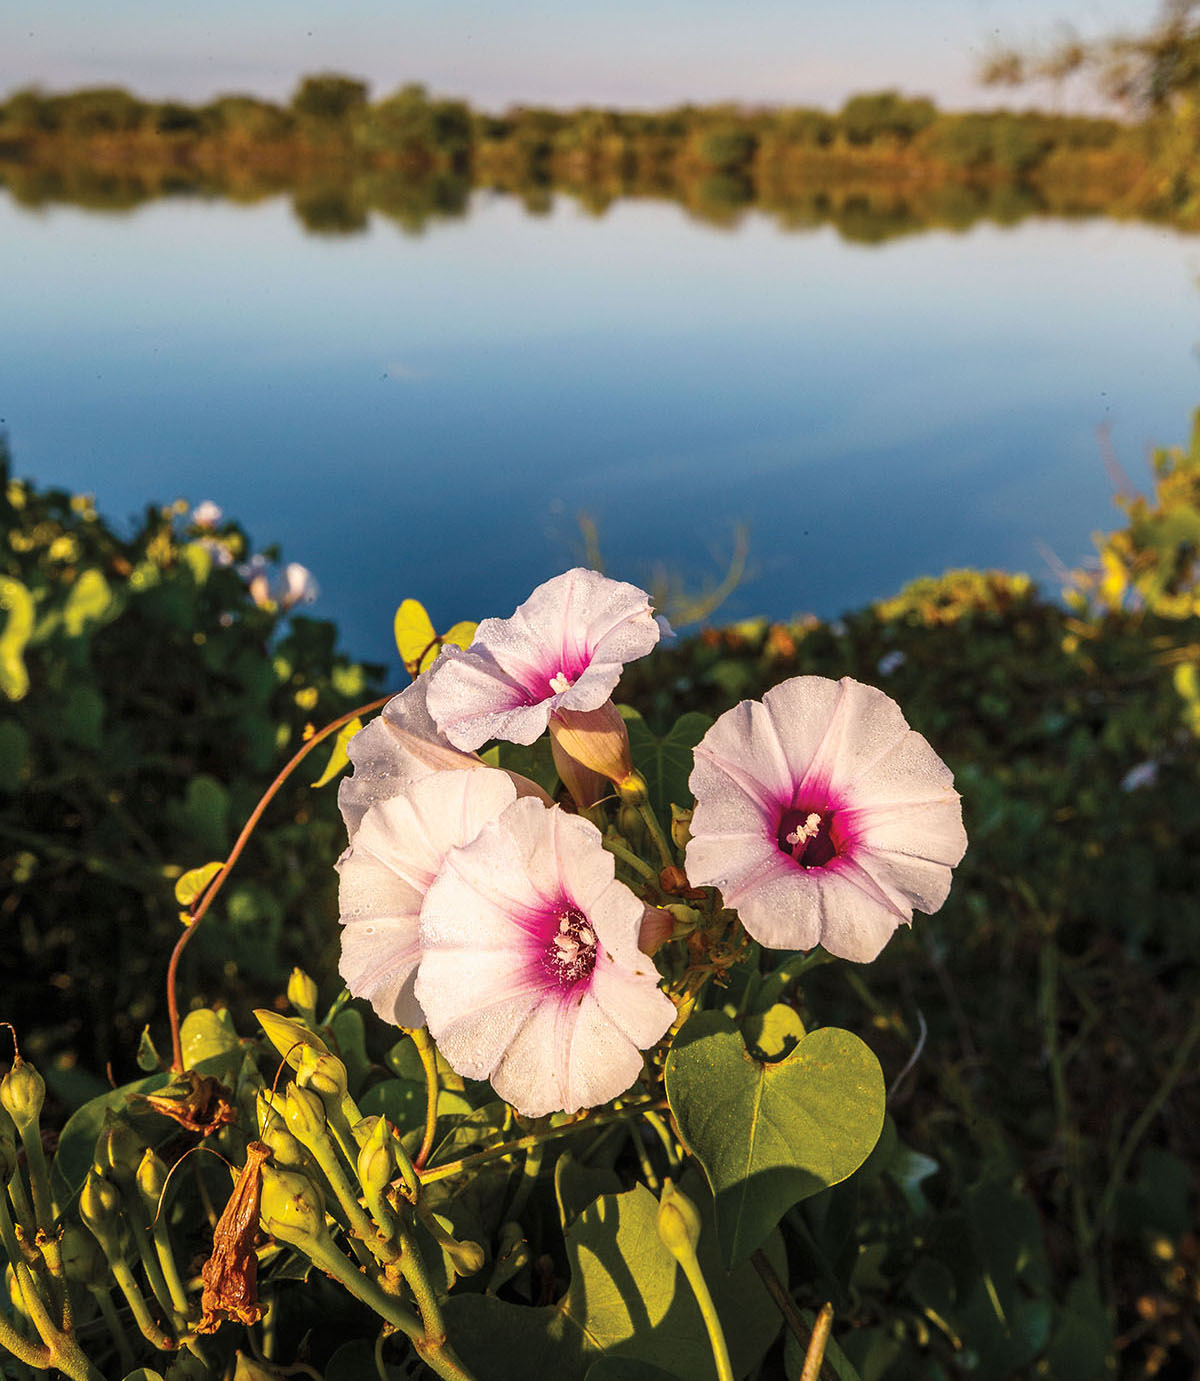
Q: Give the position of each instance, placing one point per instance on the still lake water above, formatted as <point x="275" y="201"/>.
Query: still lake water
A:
<point x="428" y="415"/>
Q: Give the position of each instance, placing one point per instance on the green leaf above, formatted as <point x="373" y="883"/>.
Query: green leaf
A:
<point x="209" y="1036"/>
<point x="769" y="1135"/>
<point x="17" y="602"/>
<point x="402" y="1102"/>
<point x="576" y="1186"/>
<point x="627" y="1299"/>
<point x="192" y="884"/>
<point x="666" y="763"/>
<point x="14" y="755"/>
<point x="416" y="640"/>
<point x="339" y="758"/>
<point x="82" y="717"/>
<point x="535" y="762"/>
<point x="203" y="814"/>
<point x="626" y="1369"/>
<point x="89" y="601"/>
<point x="147" y="1054"/>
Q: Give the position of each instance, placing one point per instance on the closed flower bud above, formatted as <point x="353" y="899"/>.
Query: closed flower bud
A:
<point x="658" y="925"/>
<point x="82" y="1259"/>
<point x="324" y="1074"/>
<point x="302" y="994"/>
<point x="678" y="1223"/>
<point x="289" y="1037"/>
<point x="100" y="1210"/>
<point x="304" y="1114"/>
<point x="286" y="1151"/>
<point x="291" y="1206"/>
<point x="631" y="824"/>
<point x="681" y="827"/>
<point x="119" y="1151"/>
<point x="22" y="1093"/>
<point x="633" y="790"/>
<point x="376" y="1160"/>
<point x="151" y="1180"/>
<point x="597" y="739"/>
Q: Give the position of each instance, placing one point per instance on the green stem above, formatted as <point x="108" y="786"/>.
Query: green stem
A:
<point x="817" y="1344"/>
<point x="65" y="1352"/>
<point x="1048" y="1002"/>
<point x="22" y="1208"/>
<point x="708" y="1311"/>
<point x="39" y="1180"/>
<point x="425" y="1049"/>
<point x="150" y="1256"/>
<point x="646" y="810"/>
<point x="170" y="1271"/>
<point x="455" y="1167"/>
<point x="649" y="1174"/>
<point x="35" y="1355"/>
<point x="116" y="1329"/>
<point x="362" y="1287"/>
<point x="783" y="1301"/>
<point x="137" y="1305"/>
<point x="530" y="1171"/>
<point x="360" y="1224"/>
<point x="1148" y="1114"/>
<point x="630" y="859"/>
<point x="664" y="1135"/>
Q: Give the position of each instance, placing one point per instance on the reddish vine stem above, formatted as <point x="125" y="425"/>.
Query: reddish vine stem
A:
<point x="200" y="907"/>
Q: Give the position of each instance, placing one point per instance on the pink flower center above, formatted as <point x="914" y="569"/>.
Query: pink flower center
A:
<point x="807" y="836"/>
<point x="570" y="955"/>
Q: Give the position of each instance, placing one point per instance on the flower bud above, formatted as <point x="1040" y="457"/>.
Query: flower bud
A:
<point x="289" y="1037"/>
<point x="633" y="790"/>
<point x="681" y="827"/>
<point x="119" y="1151"/>
<point x="656" y="929"/>
<point x="304" y="1114"/>
<point x="376" y="1160"/>
<point x="302" y="994"/>
<point x="466" y="1257"/>
<point x="678" y="1223"/>
<point x="596" y="740"/>
<point x="151" y="1180"/>
<point x="82" y="1259"/>
<point x="291" y="1206"/>
<point x="286" y="1151"/>
<point x="22" y="1093"/>
<point x="324" y="1074"/>
<point x="100" y="1210"/>
<point x="631" y="824"/>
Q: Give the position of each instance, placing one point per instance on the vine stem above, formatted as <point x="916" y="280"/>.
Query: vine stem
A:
<point x="424" y="1043"/>
<point x="454" y="1167"/>
<point x="200" y="909"/>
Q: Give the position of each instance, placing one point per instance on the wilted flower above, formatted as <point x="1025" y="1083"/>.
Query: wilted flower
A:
<point x="395" y="852"/>
<point x="822" y="817"/>
<point x="531" y="975"/>
<point x="563" y="648"/>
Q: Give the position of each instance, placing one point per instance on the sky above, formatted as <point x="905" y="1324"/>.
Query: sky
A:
<point x="631" y="53"/>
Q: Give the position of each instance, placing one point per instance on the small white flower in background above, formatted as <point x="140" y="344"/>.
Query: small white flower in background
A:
<point x="297" y="585"/>
<point x="255" y="573"/>
<point x="838" y="628"/>
<point x="207" y="514"/>
<point x="822" y="817"/>
<point x="1144" y="774"/>
<point x="218" y="552"/>
<point x="890" y="662"/>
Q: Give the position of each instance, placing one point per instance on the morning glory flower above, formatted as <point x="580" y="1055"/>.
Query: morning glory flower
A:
<point x="822" y="817"/>
<point x="397" y="847"/>
<point x="564" y="648"/>
<point x="531" y="975"/>
<point x="399" y="747"/>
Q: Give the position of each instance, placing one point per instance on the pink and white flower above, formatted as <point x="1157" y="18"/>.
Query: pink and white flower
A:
<point x="822" y="817"/>
<point x="397" y="847"/>
<point x="531" y="975"/>
<point x="563" y="648"/>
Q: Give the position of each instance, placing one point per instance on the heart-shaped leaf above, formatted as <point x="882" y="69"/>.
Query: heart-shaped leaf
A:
<point x="769" y="1135"/>
<point x="666" y="763"/>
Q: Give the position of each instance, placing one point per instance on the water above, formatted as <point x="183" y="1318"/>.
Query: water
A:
<point x="428" y="415"/>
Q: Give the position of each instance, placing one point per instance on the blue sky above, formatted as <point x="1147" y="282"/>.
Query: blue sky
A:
<point x="624" y="52"/>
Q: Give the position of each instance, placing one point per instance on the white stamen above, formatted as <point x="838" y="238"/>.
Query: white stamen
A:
<point x="567" y="947"/>
<point x="559" y="683"/>
<point x="586" y="937"/>
<point x="803" y="833"/>
<point x="564" y="925"/>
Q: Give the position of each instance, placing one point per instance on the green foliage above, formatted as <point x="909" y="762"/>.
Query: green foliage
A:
<point x="779" y="1131"/>
<point x="147" y="702"/>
